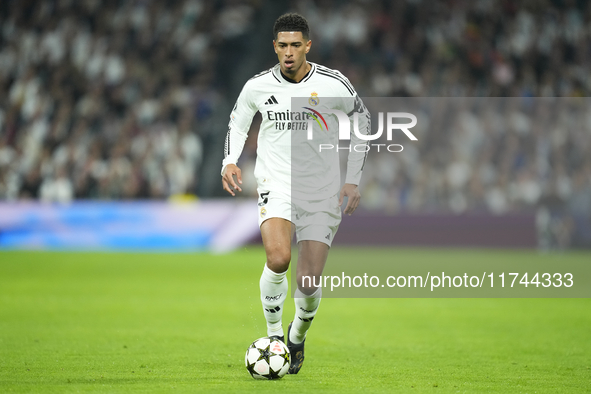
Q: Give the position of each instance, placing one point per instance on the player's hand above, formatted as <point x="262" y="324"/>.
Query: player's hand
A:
<point x="228" y="179"/>
<point x="352" y="193"/>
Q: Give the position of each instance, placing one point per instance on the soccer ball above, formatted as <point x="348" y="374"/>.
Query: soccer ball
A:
<point x="267" y="358"/>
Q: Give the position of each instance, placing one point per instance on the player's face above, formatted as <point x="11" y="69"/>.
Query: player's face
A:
<point x="291" y="49"/>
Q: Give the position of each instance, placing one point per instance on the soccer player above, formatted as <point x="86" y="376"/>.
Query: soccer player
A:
<point x="308" y="203"/>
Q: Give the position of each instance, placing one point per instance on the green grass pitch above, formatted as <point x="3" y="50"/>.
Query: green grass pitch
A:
<point x="175" y="323"/>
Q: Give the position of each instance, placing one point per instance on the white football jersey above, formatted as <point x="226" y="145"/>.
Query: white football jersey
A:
<point x="313" y="171"/>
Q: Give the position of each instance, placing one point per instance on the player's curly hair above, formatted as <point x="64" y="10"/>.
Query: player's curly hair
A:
<point x="291" y="22"/>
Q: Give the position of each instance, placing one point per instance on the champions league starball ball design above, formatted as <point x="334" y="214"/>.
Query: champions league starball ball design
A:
<point x="267" y="358"/>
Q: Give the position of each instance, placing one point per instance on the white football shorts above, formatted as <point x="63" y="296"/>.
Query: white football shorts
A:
<point x="316" y="220"/>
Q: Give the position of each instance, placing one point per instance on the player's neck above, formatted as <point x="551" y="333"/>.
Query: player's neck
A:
<point x="301" y="74"/>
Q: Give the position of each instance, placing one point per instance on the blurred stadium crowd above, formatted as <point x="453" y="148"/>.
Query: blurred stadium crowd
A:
<point x="128" y="99"/>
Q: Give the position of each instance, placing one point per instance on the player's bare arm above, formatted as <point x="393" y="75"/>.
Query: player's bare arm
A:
<point x="353" y="196"/>
<point x="230" y="185"/>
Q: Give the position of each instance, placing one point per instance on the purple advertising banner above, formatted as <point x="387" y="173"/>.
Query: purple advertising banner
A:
<point x="438" y="229"/>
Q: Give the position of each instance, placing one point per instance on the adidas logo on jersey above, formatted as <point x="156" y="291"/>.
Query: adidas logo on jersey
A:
<point x="272" y="100"/>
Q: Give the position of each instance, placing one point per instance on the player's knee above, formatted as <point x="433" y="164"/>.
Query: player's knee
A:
<point x="278" y="260"/>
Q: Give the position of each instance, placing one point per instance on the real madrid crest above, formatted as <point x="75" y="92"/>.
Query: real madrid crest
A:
<point x="263" y="212"/>
<point x="314" y="100"/>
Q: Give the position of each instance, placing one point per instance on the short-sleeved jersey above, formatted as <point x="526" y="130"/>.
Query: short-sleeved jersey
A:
<point x="271" y="93"/>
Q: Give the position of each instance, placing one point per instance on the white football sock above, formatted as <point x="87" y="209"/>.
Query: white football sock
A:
<point x="274" y="289"/>
<point x="306" y="307"/>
